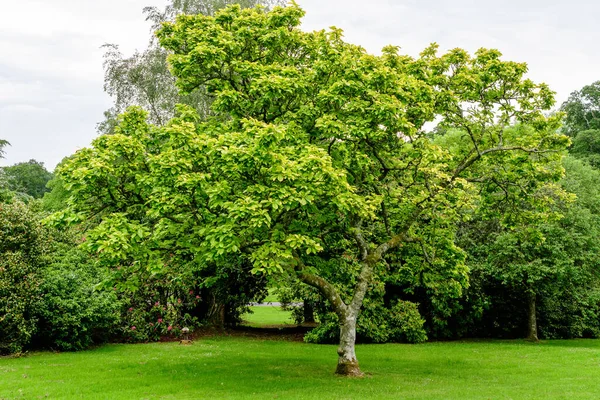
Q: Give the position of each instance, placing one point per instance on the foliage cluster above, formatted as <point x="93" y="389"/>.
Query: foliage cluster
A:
<point x="23" y="243"/>
<point x="74" y="313"/>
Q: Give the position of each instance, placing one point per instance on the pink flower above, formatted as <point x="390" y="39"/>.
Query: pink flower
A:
<point x="156" y="304"/>
<point x="133" y="328"/>
<point x="169" y="328"/>
<point x="159" y="320"/>
<point x="197" y="296"/>
<point x="130" y="309"/>
<point x="191" y="292"/>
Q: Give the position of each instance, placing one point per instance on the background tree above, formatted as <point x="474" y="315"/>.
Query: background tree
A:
<point x="143" y="79"/>
<point x="586" y="146"/>
<point x="521" y="270"/>
<point x="314" y="160"/>
<point x="582" y="110"/>
<point x="3" y="144"/>
<point x="29" y="178"/>
<point x="4" y="191"/>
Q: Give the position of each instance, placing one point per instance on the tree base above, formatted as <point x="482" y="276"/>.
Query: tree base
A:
<point x="349" y="369"/>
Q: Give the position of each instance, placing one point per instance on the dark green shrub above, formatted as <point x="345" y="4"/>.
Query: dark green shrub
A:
<point x="75" y="312"/>
<point x="19" y="293"/>
<point x="48" y="295"/>
<point x="154" y="305"/>
<point x="376" y="323"/>
<point x="22" y="243"/>
<point x="406" y="323"/>
<point x="328" y="330"/>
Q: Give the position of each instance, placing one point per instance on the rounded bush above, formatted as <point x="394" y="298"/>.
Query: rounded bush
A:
<point x="22" y="244"/>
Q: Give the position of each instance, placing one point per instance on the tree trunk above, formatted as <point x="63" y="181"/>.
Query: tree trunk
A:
<point x="215" y="314"/>
<point x="531" y="319"/>
<point x="347" y="362"/>
<point x="347" y="313"/>
<point x="309" y="312"/>
<point x="222" y="315"/>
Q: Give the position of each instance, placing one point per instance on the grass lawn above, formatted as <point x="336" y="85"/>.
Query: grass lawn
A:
<point x="267" y="315"/>
<point x="246" y="368"/>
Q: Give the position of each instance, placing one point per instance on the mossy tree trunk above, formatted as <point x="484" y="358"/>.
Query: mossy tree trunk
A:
<point x="531" y="318"/>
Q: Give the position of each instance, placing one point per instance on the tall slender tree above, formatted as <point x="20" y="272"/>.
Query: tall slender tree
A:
<point x="143" y="79"/>
<point x="3" y="144"/>
<point x="582" y="110"/>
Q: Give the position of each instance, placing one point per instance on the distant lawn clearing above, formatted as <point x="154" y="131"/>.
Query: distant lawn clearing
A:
<point x="267" y="315"/>
<point x="244" y="368"/>
<point x="271" y="297"/>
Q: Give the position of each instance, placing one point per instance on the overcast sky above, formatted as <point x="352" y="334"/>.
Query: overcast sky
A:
<point x="51" y="76"/>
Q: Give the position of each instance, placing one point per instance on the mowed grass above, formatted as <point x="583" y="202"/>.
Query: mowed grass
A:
<point x="267" y="315"/>
<point x="247" y="368"/>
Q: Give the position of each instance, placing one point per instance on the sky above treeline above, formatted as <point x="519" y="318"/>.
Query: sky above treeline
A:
<point x="51" y="76"/>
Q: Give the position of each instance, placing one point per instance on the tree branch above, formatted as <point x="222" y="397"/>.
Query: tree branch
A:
<point x="326" y="288"/>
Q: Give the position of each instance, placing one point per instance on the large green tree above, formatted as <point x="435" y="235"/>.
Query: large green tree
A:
<point x="314" y="161"/>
